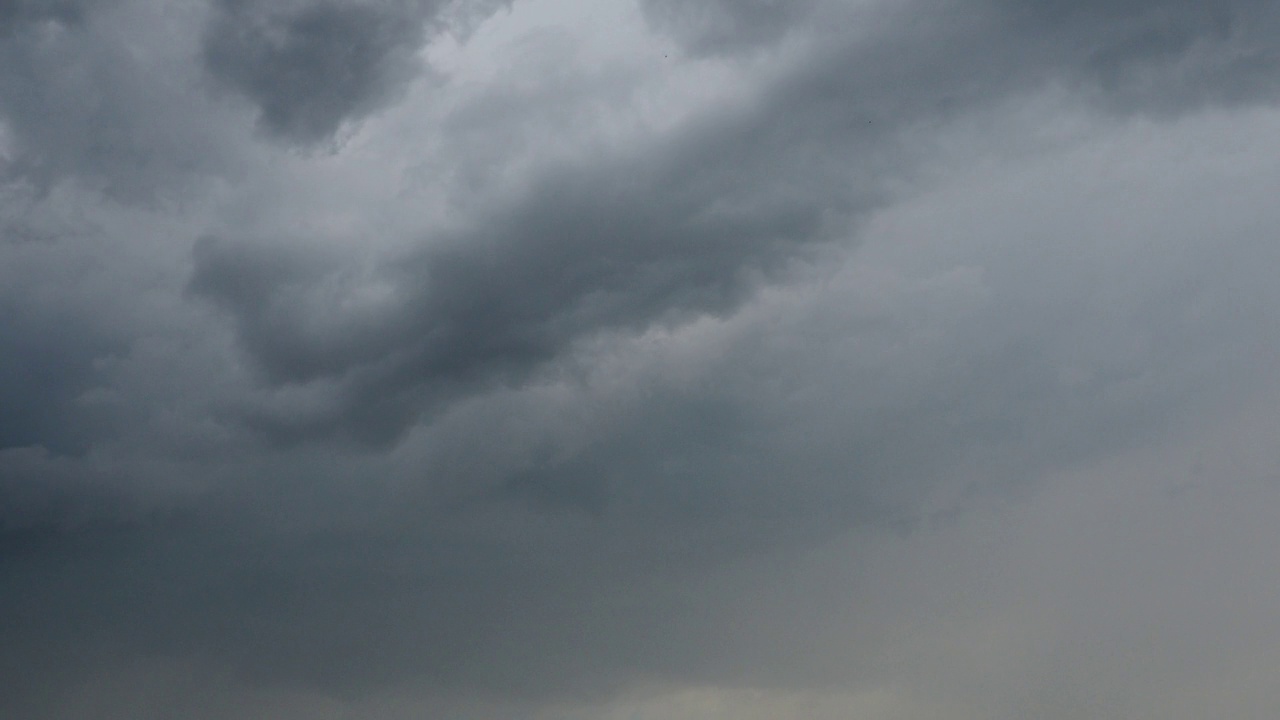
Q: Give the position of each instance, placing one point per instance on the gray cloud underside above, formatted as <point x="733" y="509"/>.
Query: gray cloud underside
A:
<point x="684" y="226"/>
<point x="465" y="496"/>
<point x="308" y="68"/>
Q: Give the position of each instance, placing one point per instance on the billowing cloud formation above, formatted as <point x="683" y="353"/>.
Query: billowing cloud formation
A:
<point x="309" y="68"/>
<point x="673" y="226"/>
<point x="657" y="359"/>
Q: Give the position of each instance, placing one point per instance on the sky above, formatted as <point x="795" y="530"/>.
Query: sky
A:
<point x="639" y="359"/>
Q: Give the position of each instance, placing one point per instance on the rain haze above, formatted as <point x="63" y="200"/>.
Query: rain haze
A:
<point x="639" y="359"/>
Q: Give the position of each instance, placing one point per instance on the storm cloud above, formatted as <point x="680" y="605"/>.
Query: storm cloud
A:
<point x="675" y="226"/>
<point x="310" y="68"/>
<point x="636" y="359"/>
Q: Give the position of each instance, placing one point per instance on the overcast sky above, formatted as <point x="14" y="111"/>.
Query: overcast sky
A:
<point x="639" y="359"/>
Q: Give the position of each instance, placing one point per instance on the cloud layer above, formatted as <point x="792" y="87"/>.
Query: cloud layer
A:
<point x="667" y="359"/>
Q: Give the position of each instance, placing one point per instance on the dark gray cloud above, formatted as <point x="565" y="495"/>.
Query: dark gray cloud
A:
<point x="46" y="363"/>
<point x="682" y="227"/>
<point x="77" y="100"/>
<point x="579" y="254"/>
<point x="1162" y="56"/>
<point x="17" y="14"/>
<point x="497" y="407"/>
<point x="309" y="67"/>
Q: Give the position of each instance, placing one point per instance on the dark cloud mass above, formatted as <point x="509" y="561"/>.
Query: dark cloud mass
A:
<point x="579" y="253"/>
<point x="698" y="348"/>
<point x="16" y="13"/>
<point x="310" y="67"/>
<point x="576" y="256"/>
